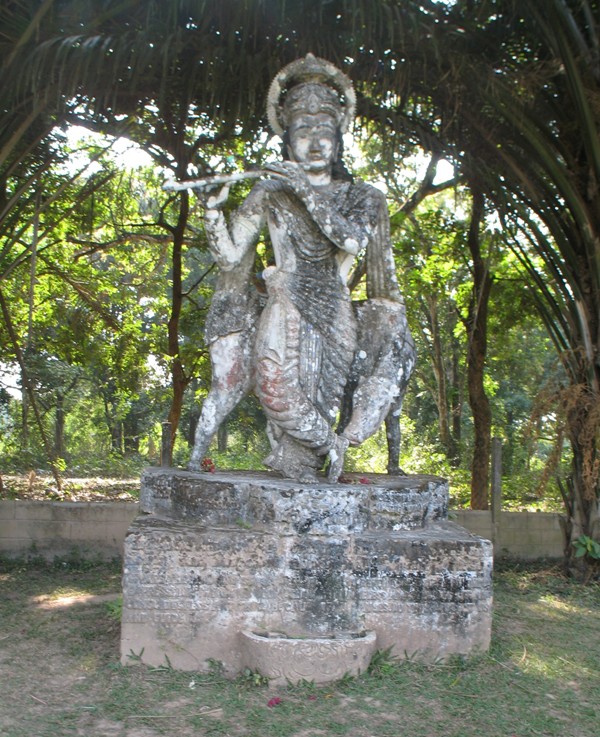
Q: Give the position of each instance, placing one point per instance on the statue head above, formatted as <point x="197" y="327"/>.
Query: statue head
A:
<point x="312" y="87"/>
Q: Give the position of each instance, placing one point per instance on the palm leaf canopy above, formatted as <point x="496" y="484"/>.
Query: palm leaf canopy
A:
<point x="508" y="90"/>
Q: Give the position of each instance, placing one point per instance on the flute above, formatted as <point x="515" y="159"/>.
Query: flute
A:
<point x="238" y="176"/>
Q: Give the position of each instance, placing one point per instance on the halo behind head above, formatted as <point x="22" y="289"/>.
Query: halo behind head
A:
<point x="310" y="73"/>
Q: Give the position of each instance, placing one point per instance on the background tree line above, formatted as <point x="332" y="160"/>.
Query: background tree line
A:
<point x="104" y="277"/>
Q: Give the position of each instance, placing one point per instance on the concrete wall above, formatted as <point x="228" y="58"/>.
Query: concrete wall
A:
<point x="97" y="529"/>
<point x="49" y="529"/>
<point x="523" y="535"/>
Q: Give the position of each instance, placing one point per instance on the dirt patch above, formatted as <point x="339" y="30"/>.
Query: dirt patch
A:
<point x="42" y="487"/>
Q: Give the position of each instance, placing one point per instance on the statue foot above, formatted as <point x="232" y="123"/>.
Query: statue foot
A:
<point x="396" y="471"/>
<point x="293" y="461"/>
<point x="292" y="470"/>
<point x="298" y="473"/>
<point x="336" y="456"/>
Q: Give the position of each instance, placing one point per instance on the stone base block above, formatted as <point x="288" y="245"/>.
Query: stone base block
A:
<point x="312" y="564"/>
<point x="264" y="500"/>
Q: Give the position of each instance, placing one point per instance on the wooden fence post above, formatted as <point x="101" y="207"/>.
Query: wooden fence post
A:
<point x="496" y="487"/>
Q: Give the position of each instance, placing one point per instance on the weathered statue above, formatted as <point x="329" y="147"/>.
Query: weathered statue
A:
<point x="311" y="347"/>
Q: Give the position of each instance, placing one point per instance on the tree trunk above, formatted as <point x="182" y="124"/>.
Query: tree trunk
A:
<point x="24" y="412"/>
<point x="477" y="337"/>
<point x="59" y="427"/>
<point x="113" y="423"/>
<point x="439" y="371"/>
<point x="583" y="501"/>
<point x="116" y="437"/>
<point x="179" y="380"/>
<point x="222" y="438"/>
<point x="455" y="393"/>
<point x="131" y="435"/>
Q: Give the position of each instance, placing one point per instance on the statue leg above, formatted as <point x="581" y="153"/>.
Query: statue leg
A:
<point x="232" y="379"/>
<point x="384" y="363"/>
<point x="392" y="434"/>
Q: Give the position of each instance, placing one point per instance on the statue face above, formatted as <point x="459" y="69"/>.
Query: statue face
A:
<point x="313" y="141"/>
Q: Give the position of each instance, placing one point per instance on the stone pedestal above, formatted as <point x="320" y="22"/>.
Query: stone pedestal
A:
<point x="248" y="569"/>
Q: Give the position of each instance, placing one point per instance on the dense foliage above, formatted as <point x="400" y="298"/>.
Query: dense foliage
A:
<point x="104" y="278"/>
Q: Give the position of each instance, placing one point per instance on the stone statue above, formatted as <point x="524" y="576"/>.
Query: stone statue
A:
<point x="310" y="348"/>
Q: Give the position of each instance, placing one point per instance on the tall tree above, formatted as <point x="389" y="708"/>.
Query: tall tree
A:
<point x="547" y="168"/>
<point x="477" y="331"/>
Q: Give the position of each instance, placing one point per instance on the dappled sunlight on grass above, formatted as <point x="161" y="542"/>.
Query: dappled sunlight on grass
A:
<point x="555" y="611"/>
<point x="60" y="600"/>
<point x="42" y="582"/>
<point x="560" y="672"/>
<point x="547" y="631"/>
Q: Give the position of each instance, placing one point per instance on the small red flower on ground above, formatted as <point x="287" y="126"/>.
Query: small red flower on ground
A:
<point x="364" y="480"/>
<point x="275" y="701"/>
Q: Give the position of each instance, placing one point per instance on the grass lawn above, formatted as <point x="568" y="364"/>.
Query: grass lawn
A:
<point x="60" y="673"/>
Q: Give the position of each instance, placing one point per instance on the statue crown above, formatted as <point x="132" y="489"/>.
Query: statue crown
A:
<point x="310" y="85"/>
<point x="313" y="98"/>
